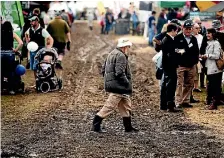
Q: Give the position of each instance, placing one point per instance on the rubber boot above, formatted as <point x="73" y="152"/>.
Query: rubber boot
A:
<point x="171" y="107"/>
<point x="96" y="124"/>
<point x="192" y="100"/>
<point x="213" y="105"/>
<point x="127" y="125"/>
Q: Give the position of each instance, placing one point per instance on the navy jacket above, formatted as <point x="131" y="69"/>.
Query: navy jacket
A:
<point x="191" y="55"/>
<point x="170" y="57"/>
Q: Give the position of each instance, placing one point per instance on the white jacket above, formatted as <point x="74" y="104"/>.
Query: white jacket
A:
<point x="213" y="50"/>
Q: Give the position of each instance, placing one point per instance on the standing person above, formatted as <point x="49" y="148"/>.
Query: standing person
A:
<point x="199" y="38"/>
<point x="160" y="23"/>
<point x="90" y="20"/>
<point x="158" y="38"/>
<point x="134" y="23"/>
<point x="198" y="66"/>
<point x="188" y="45"/>
<point x="202" y="31"/>
<point x="66" y="18"/>
<point x="108" y="19"/>
<point x="117" y="81"/>
<point x="216" y="24"/>
<point x="7" y="60"/>
<point x="36" y="12"/>
<point x="37" y="34"/>
<point x="152" y="27"/>
<point x="170" y="60"/>
<point x="172" y="14"/>
<point x="102" y="22"/>
<point x="60" y="32"/>
<point x="214" y="75"/>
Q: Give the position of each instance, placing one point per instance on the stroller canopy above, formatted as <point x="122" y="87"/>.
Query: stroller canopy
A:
<point x="47" y="51"/>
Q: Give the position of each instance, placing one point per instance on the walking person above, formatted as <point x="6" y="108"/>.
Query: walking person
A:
<point x="39" y="35"/>
<point x="152" y="27"/>
<point x="36" y="12"/>
<point x="60" y="32"/>
<point x="214" y="75"/>
<point x="187" y="44"/>
<point x="170" y="60"/>
<point x="118" y="83"/>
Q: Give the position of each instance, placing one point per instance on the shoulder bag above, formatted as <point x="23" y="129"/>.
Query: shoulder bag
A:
<point x="220" y="61"/>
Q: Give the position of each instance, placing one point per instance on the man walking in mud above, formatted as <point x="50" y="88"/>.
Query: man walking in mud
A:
<point x="117" y="81"/>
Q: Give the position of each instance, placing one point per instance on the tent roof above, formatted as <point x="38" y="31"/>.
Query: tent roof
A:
<point x="218" y="7"/>
<point x="172" y="4"/>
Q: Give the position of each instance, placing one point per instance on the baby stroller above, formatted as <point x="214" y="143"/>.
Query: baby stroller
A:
<point x="11" y="82"/>
<point x="46" y="78"/>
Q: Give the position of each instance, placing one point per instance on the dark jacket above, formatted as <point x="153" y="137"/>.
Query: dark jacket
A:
<point x="27" y="25"/>
<point x="203" y="45"/>
<point x="203" y="31"/>
<point x="170" y="57"/>
<point x="191" y="55"/>
<point x="37" y="37"/>
<point x="116" y="72"/>
<point x="159" y="37"/>
<point x="220" y="37"/>
<point x="160" y="23"/>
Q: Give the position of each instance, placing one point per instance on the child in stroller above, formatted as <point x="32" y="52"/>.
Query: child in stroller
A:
<point x="11" y="82"/>
<point x="46" y="78"/>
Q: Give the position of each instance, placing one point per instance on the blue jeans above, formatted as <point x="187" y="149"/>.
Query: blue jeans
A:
<point x="108" y="27"/>
<point x="8" y="63"/>
<point x="135" y="25"/>
<point x="151" y="35"/>
<point x="8" y="67"/>
<point x="33" y="62"/>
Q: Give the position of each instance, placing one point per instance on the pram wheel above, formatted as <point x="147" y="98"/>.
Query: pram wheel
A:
<point x="60" y="83"/>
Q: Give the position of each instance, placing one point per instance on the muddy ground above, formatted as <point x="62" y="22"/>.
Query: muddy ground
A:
<point x="58" y="124"/>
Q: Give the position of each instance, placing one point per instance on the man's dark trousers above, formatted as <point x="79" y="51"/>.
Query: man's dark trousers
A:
<point x="168" y="88"/>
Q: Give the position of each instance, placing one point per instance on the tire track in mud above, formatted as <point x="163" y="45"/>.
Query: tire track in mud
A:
<point x="85" y="54"/>
<point x="90" y="56"/>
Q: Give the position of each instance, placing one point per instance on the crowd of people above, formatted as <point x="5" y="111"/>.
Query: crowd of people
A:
<point x="187" y="55"/>
<point x="57" y="35"/>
